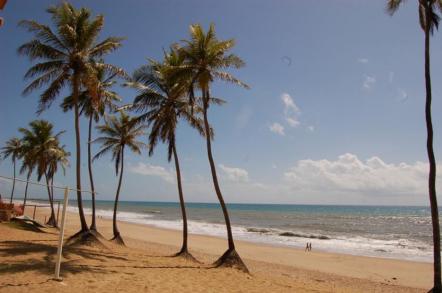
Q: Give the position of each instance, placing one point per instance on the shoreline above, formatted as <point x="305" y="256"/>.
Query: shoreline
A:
<point x="257" y="243"/>
<point x="399" y="272"/>
<point x="399" y="248"/>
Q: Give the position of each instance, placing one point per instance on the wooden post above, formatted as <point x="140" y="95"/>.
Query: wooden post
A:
<point x="58" y="212"/>
<point x="60" y="239"/>
<point x="33" y="216"/>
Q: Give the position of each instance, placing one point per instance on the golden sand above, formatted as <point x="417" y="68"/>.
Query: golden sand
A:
<point x="27" y="261"/>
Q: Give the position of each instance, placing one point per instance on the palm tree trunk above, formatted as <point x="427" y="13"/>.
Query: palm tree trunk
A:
<point x="213" y="170"/>
<point x="13" y="184"/>
<point x="117" y="236"/>
<point x="75" y="93"/>
<point x="51" y="220"/>
<point x="180" y="193"/>
<point x="26" y="190"/>
<point x="91" y="178"/>
<point x="230" y="258"/>
<point x="432" y="174"/>
<point x="52" y="202"/>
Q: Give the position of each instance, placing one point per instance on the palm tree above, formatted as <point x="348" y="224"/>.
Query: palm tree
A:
<point x="66" y="57"/>
<point x="57" y="157"/>
<point x="44" y="148"/>
<point x="13" y="149"/>
<point x="119" y="134"/>
<point x="429" y="20"/>
<point x="206" y="58"/>
<point x="94" y="109"/>
<point x="28" y="165"/>
<point x="162" y="101"/>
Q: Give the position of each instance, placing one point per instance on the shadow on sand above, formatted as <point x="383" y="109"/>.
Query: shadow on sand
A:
<point x="73" y="256"/>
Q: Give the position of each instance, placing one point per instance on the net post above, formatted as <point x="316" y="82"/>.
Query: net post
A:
<point x="60" y="239"/>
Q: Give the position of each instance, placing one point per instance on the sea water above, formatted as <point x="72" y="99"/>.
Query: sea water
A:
<point x="380" y="231"/>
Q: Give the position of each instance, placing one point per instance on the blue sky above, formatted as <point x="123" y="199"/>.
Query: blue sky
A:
<point x="335" y="113"/>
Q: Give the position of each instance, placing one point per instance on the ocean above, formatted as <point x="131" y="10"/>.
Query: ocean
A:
<point x="381" y="231"/>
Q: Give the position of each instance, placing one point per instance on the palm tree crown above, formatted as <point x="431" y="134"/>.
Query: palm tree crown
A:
<point x="431" y="15"/>
<point x="68" y="51"/>
<point x="13" y="148"/>
<point x="206" y="58"/>
<point x="119" y="133"/>
<point x="41" y="147"/>
<point x="106" y="98"/>
<point x="162" y="100"/>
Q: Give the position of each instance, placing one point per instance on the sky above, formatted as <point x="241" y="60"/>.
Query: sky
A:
<point x="334" y="115"/>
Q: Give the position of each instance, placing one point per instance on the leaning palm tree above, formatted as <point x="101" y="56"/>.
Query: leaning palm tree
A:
<point x="66" y="57"/>
<point x="94" y="109"/>
<point x="429" y="21"/>
<point x="206" y="58"/>
<point x="119" y="133"/>
<point x="13" y="149"/>
<point x="162" y="101"/>
<point x="43" y="147"/>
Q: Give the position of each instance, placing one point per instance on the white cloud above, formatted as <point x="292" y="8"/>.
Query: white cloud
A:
<point x="311" y="128"/>
<point x="369" y="81"/>
<point x="363" y="60"/>
<point x="292" y="121"/>
<point x="291" y="110"/>
<point x="289" y="103"/>
<point x="152" y="170"/>
<point x="235" y="174"/>
<point x="403" y="95"/>
<point x="277" y="128"/>
<point x="348" y="174"/>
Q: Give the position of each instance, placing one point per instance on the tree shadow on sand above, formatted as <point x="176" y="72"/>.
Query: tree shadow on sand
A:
<point x="46" y="263"/>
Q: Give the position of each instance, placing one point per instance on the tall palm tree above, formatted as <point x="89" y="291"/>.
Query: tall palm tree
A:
<point x="44" y="148"/>
<point x="429" y="20"/>
<point x="13" y="149"/>
<point x="162" y="101"/>
<point x="66" y="56"/>
<point x="119" y="133"/>
<point x="206" y="59"/>
<point x="27" y="167"/>
<point x="94" y="109"/>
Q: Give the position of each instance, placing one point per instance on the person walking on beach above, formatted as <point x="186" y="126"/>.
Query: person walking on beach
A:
<point x="310" y="246"/>
<point x="306" y="247"/>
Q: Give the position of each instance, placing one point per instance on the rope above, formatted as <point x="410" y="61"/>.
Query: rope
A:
<point x="40" y="184"/>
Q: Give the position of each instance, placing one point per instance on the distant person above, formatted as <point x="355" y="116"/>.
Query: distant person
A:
<point x="310" y="247"/>
<point x="306" y="247"/>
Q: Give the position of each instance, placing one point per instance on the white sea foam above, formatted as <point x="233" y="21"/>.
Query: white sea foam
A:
<point x="355" y="245"/>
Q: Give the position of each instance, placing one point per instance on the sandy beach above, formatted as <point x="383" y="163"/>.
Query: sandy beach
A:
<point x="27" y="263"/>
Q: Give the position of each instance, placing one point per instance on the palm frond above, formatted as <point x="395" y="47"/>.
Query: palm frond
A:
<point x="229" y="78"/>
<point x="393" y="6"/>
